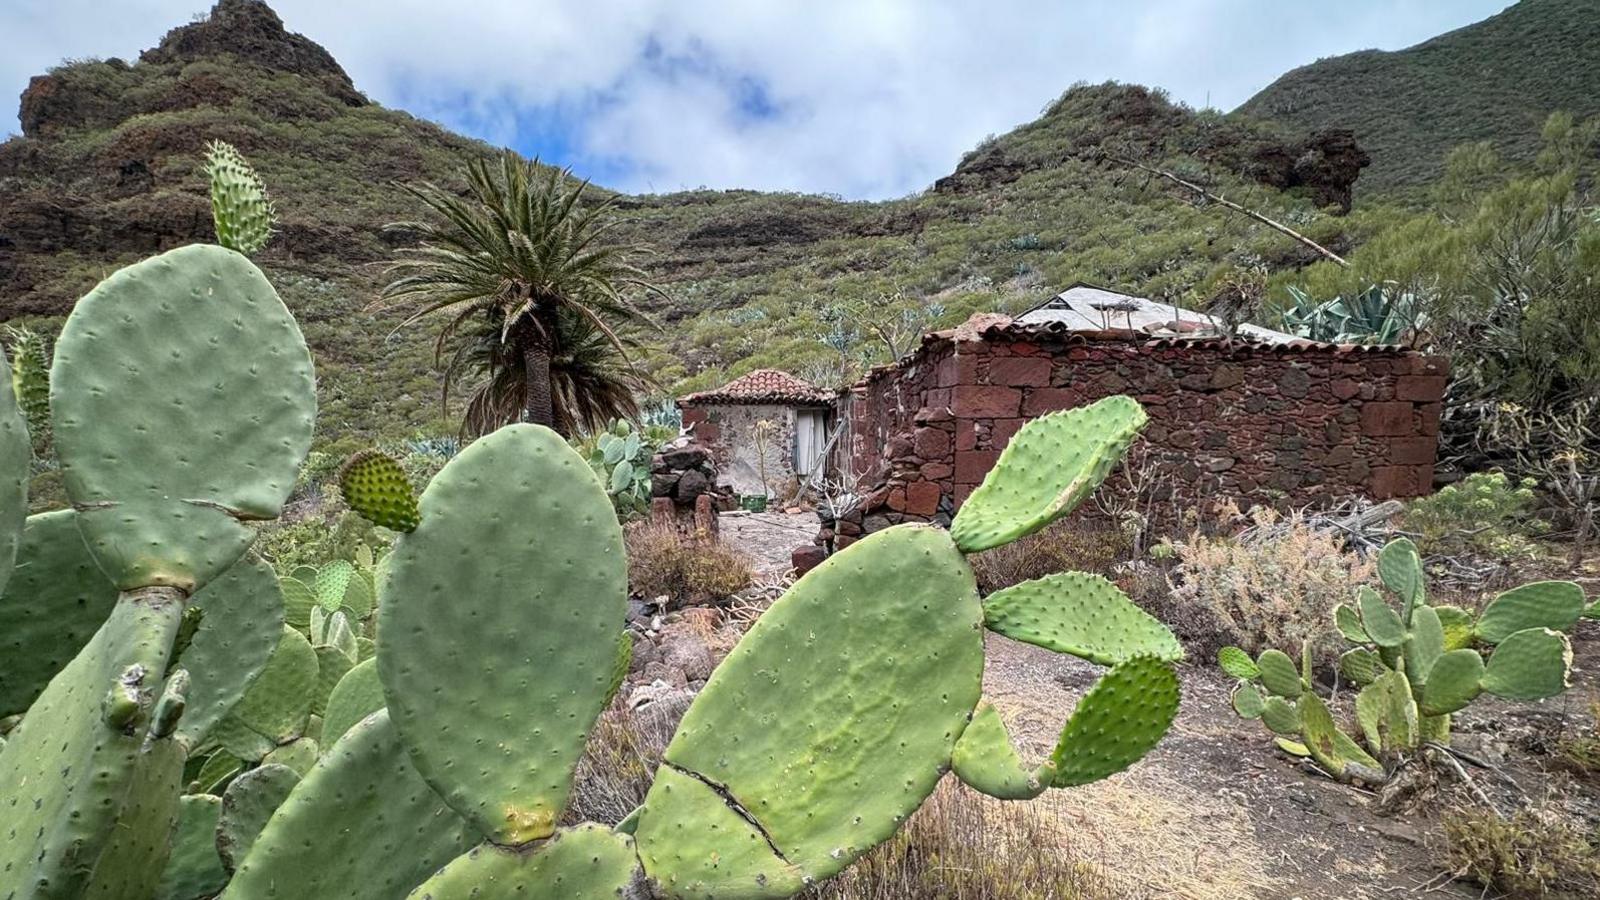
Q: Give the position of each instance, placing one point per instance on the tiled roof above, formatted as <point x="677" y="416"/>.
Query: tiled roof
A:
<point x="762" y="386"/>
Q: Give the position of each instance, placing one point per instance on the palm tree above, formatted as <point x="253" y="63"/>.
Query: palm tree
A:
<point x="519" y="251"/>
<point x="590" y="383"/>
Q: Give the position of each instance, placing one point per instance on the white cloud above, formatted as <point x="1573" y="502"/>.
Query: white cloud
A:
<point x="866" y="98"/>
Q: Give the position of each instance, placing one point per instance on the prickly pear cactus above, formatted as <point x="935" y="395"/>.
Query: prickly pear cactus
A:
<point x="1415" y="665"/>
<point x="30" y="383"/>
<point x="239" y="206"/>
<point x="377" y="488"/>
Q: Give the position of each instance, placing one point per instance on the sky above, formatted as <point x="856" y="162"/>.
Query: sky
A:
<point x="863" y="99"/>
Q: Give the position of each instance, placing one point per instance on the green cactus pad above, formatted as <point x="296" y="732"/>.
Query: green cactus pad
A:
<point x="1279" y="674"/>
<point x="1280" y="716"/>
<point x="1424" y="644"/>
<point x="16" y="456"/>
<point x="378" y="490"/>
<point x="1238" y="663"/>
<point x="1400" y="570"/>
<point x="1358" y="763"/>
<point x="1531" y="664"/>
<point x="357" y="695"/>
<point x="1555" y="605"/>
<point x="194" y="870"/>
<point x="78" y="761"/>
<point x="276" y="705"/>
<point x="1247" y="701"/>
<point x="1372" y="705"/>
<point x="499" y="737"/>
<point x="162" y="374"/>
<point x="361" y="826"/>
<point x="587" y="862"/>
<point x="1050" y="466"/>
<point x="1455" y="681"/>
<point x="247" y="805"/>
<point x="1081" y="614"/>
<point x="1380" y="620"/>
<point x="1360" y="666"/>
<point x="1318" y="729"/>
<point x="1458" y="627"/>
<point x="1399" y="715"/>
<point x="1293" y="748"/>
<point x="131" y="865"/>
<point x="333" y="580"/>
<point x="239" y="206"/>
<point x="1434" y="728"/>
<point x="51" y="607"/>
<point x="332" y="665"/>
<point x="985" y="759"/>
<point x="695" y="846"/>
<point x="836" y="715"/>
<point x="1349" y="624"/>
<point x="298" y="598"/>
<point x="242" y="618"/>
<point x="214" y="772"/>
<point x="299" y="755"/>
<point x="1122" y="717"/>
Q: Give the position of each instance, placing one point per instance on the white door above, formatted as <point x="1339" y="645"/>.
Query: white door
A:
<point x="810" y="437"/>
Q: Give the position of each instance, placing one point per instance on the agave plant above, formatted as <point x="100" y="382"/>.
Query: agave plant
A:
<point x="1377" y="315"/>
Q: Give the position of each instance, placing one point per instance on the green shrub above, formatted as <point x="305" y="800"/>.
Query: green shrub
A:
<point x="1486" y="514"/>
<point x="1064" y="546"/>
<point x="689" y="569"/>
<point x="1534" y="854"/>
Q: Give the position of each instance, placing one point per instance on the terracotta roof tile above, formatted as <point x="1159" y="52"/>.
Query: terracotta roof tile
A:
<point x="762" y="386"/>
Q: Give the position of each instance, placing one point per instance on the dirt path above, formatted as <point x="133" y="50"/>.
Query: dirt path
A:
<point x="767" y="538"/>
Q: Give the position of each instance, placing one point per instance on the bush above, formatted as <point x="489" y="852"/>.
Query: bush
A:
<point x="1061" y="547"/>
<point x="1273" y="586"/>
<point x="962" y="846"/>
<point x="620" y="760"/>
<point x="690" y="569"/>
<point x="1485" y="515"/>
<point x="1534" y="853"/>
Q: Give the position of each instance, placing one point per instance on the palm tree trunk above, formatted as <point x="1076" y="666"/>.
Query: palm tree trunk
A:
<point x="539" y="405"/>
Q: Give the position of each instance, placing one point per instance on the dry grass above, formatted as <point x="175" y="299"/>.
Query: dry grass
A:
<point x="1536" y="853"/>
<point x="690" y="569"/>
<point x="1272" y="591"/>
<point x="625" y="746"/>
<point x="1063" y="546"/>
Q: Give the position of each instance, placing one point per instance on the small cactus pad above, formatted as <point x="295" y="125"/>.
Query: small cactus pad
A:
<point x="1247" y="701"/>
<point x="239" y="206"/>
<point x="1349" y="624"/>
<point x="1458" y="626"/>
<point x="1530" y="665"/>
<point x="1050" y="466"/>
<point x="80" y="752"/>
<point x="985" y="759"/>
<point x="298" y="598"/>
<point x="1278" y="674"/>
<point x="1555" y="605"/>
<point x="378" y="490"/>
<point x="247" y="804"/>
<point x="1360" y="666"/>
<point x="54" y="603"/>
<point x="695" y="846"/>
<point x="275" y="706"/>
<point x="357" y="695"/>
<point x="194" y="870"/>
<point x="1455" y="681"/>
<point x="1424" y="644"/>
<point x="1122" y="717"/>
<point x="130" y="866"/>
<point x="836" y="715"/>
<point x="241" y="620"/>
<point x="1238" y="663"/>
<point x="332" y="665"/>
<point x="298" y="755"/>
<point x="16" y="455"/>
<point x="361" y="826"/>
<point x="1280" y="716"/>
<point x="1400" y="570"/>
<point x="1081" y="614"/>
<point x="587" y="862"/>
<point x="164" y="373"/>
<point x="519" y="551"/>
<point x="1380" y="620"/>
<point x="1318" y="729"/>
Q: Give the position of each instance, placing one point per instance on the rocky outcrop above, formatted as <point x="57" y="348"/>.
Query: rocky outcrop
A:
<point x="1326" y="165"/>
<point x="251" y="31"/>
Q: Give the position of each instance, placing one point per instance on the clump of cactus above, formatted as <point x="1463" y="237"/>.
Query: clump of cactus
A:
<point x="433" y="758"/>
<point x="620" y="456"/>
<point x="1416" y="665"/>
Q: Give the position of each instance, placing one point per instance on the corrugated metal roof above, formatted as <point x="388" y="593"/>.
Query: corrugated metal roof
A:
<point x="1087" y="308"/>
<point x="762" y="386"/>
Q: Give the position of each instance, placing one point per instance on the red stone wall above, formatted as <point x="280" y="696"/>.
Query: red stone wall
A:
<point x="1257" y="422"/>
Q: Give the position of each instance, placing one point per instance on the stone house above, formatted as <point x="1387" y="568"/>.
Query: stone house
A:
<point x="1260" y="417"/>
<point x="795" y="416"/>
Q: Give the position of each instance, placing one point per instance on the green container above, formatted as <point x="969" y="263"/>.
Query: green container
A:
<point x="753" y="503"/>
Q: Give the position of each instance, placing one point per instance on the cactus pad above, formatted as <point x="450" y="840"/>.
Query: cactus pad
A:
<point x="1280" y="716"/>
<point x="499" y="736"/>
<point x="1380" y="620"/>
<point x="1278" y="674"/>
<point x="361" y="826"/>
<point x="985" y="759"/>
<point x="274" y="708"/>
<point x="1424" y="644"/>
<point x="695" y="846"/>
<point x="1400" y="570"/>
<point x="357" y="695"/>
<point x="1455" y="681"/>
<point x="378" y="490"/>
<point x="1360" y="666"/>
<point x="836" y="715"/>
<point x="1238" y="663"/>
<point x="239" y="206"/>
<point x="16" y="456"/>
<point x="54" y="603"/>
<point x="1247" y="701"/>
<point x="162" y="374"/>
<point x="1531" y="664"/>
<point x="1050" y="466"/>
<point x="1081" y="614"/>
<point x="194" y="870"/>
<point x="247" y="804"/>
<point x="298" y="598"/>
<point x="241" y="619"/>
<point x="1555" y="605"/>
<point x="1349" y="624"/>
<point x="588" y="862"/>
<point x="1458" y="627"/>
<point x="1122" y="717"/>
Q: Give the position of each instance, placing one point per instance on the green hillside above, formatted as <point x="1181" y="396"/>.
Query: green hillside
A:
<point x="1493" y="81"/>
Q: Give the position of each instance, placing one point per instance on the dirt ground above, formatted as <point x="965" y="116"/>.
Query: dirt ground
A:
<point x="1216" y="812"/>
